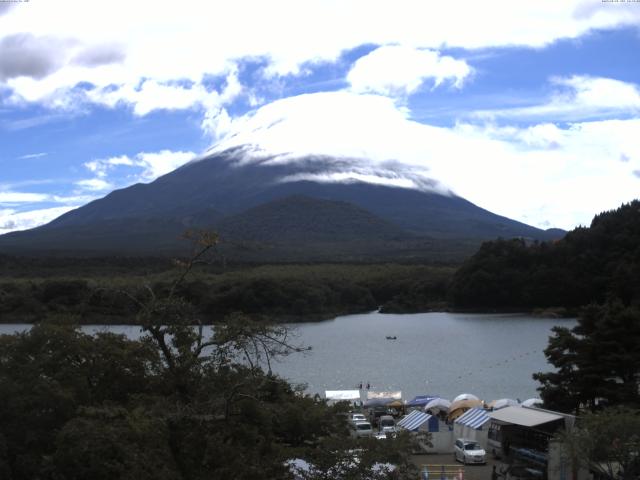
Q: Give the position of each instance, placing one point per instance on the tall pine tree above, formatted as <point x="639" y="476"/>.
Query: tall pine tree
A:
<point x="597" y="362"/>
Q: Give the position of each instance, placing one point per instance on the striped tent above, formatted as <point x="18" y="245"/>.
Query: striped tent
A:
<point x="474" y="418"/>
<point x="414" y="420"/>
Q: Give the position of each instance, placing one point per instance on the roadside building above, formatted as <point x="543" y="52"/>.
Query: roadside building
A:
<point x="523" y="436"/>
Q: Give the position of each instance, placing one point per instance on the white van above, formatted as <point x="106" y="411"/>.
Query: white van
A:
<point x="361" y="429"/>
<point x="387" y="424"/>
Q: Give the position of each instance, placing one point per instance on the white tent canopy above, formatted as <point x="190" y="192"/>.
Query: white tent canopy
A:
<point x="502" y="403"/>
<point x="340" y="395"/>
<point x="465" y="396"/>
<point x="438" y="403"/>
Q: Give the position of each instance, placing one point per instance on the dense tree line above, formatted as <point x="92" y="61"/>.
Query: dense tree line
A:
<point x="588" y="265"/>
<point x="286" y="292"/>
<point x="176" y="404"/>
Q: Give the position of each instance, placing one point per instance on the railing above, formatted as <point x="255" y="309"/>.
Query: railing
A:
<point x="441" y="472"/>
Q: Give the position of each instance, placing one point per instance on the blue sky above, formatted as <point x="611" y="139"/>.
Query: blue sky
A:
<point x="528" y="109"/>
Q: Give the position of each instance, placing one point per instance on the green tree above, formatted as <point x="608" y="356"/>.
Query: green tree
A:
<point x="608" y="442"/>
<point x="597" y="362"/>
<point x="49" y="372"/>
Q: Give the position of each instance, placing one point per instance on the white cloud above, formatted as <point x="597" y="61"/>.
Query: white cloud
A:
<point x="160" y="163"/>
<point x="579" y="97"/>
<point x="535" y="174"/>
<point x="94" y="184"/>
<point x="352" y="177"/>
<point x="9" y="197"/>
<point x="161" y="42"/>
<point x="149" y="166"/>
<point x="398" y="69"/>
<point x="332" y="123"/>
<point x="11" y="220"/>
<point x="152" y="95"/>
<point x="32" y="155"/>
<point x="102" y="166"/>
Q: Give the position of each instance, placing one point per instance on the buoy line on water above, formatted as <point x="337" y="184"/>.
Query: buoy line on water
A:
<point x="499" y="364"/>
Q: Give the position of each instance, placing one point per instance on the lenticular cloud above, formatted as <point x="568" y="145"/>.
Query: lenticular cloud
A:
<point x="340" y="136"/>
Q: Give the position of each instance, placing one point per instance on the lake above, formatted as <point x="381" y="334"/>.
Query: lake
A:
<point x="490" y="355"/>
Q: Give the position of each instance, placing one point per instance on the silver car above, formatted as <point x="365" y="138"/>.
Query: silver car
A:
<point x="468" y="451"/>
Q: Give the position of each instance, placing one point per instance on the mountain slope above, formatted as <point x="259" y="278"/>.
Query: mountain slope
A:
<point x="300" y="219"/>
<point x="271" y="202"/>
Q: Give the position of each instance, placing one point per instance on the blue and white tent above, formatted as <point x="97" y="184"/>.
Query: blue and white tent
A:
<point x="473" y="425"/>
<point x="417" y="419"/>
<point x="474" y="418"/>
<point x="420" y="401"/>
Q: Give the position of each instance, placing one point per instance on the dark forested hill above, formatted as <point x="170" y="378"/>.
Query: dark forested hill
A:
<point x="588" y="265"/>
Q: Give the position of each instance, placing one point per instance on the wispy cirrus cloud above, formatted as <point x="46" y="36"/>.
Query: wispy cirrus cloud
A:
<point x="29" y="156"/>
<point x="576" y="98"/>
<point x="9" y="197"/>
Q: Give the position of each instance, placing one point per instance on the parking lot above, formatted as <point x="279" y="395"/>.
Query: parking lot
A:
<point x="471" y="472"/>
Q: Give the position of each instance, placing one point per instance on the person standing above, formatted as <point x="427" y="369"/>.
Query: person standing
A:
<point x="494" y="473"/>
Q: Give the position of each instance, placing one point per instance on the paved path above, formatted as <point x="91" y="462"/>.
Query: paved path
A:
<point x="471" y="472"/>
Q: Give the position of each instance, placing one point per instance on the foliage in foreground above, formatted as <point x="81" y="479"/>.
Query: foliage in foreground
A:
<point x="607" y="442"/>
<point x="176" y="404"/>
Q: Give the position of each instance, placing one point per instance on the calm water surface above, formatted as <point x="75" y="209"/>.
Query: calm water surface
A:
<point x="492" y="356"/>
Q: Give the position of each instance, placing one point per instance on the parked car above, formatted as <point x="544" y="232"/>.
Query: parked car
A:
<point x="361" y="429"/>
<point x="357" y="417"/>
<point x="468" y="451"/>
<point x="387" y="424"/>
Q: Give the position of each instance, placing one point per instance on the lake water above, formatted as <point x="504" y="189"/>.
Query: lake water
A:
<point x="492" y="356"/>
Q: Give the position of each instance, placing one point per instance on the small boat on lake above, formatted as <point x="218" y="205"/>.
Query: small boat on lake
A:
<point x="389" y="337"/>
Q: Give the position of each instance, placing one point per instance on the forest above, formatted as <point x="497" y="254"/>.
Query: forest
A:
<point x="589" y="265"/>
<point x="277" y="292"/>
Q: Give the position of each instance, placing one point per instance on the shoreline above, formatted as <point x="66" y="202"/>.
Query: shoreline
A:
<point x="549" y="313"/>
